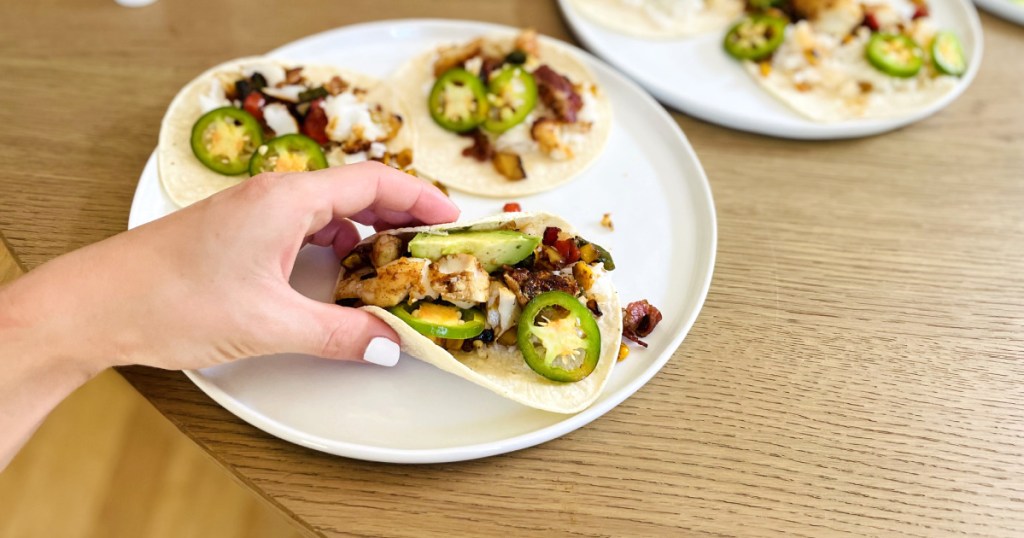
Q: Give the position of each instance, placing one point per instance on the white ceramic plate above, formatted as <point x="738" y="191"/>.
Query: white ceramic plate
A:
<point x="1006" y="9"/>
<point x="664" y="248"/>
<point x="697" y="77"/>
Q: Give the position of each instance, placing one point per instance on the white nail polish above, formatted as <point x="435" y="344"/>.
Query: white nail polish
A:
<point x="382" y="351"/>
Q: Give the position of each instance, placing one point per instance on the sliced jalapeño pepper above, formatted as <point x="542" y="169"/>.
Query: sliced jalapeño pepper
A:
<point x="441" y="321"/>
<point x="755" y="37"/>
<point x="288" y="153"/>
<point x="458" y="101"/>
<point x="895" y="54"/>
<point x="225" y="138"/>
<point x="559" y="337"/>
<point x="948" y="54"/>
<point x="512" y="96"/>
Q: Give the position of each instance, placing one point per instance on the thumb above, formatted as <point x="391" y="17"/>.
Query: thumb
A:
<point x="338" y="332"/>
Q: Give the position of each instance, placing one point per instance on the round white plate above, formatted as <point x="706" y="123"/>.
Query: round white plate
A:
<point x="1005" y="9"/>
<point x="649" y="179"/>
<point x="697" y="77"/>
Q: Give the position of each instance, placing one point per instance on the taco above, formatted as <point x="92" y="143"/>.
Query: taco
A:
<point x="660" y="19"/>
<point x="847" y="59"/>
<point x="259" y="114"/>
<point x="517" y="303"/>
<point x="504" y="115"/>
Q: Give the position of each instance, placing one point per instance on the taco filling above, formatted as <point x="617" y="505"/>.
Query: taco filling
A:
<point x="269" y="118"/>
<point x="843" y="59"/>
<point x="518" y="288"/>
<point x="505" y="114"/>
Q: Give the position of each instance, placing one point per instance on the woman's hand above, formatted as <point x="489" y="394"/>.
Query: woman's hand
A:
<point x="205" y="285"/>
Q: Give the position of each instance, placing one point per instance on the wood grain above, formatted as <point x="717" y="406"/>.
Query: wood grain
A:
<point x="857" y="368"/>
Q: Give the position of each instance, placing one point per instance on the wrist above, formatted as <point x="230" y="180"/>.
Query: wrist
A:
<point x="39" y="336"/>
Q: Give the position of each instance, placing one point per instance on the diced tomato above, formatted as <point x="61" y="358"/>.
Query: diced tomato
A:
<point x="551" y="235"/>
<point x="568" y="250"/>
<point x="315" y="124"/>
<point x="920" y="11"/>
<point x="512" y="207"/>
<point x="254" y="105"/>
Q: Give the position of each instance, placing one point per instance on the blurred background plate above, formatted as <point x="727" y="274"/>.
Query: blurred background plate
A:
<point x="696" y="76"/>
<point x="648" y="178"/>
<point x="1010" y="10"/>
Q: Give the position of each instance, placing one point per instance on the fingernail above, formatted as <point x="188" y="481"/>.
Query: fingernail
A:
<point x="382" y="351"/>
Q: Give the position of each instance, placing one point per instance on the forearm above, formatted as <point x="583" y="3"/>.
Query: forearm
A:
<point x="38" y="364"/>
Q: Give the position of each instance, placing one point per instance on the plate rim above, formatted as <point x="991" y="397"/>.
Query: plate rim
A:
<point x="702" y="196"/>
<point x="810" y="129"/>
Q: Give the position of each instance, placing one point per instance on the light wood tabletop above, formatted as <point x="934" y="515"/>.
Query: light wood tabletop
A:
<point x="858" y="366"/>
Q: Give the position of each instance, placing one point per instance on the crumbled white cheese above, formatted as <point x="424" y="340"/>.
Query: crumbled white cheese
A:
<point x="346" y="115"/>
<point x="272" y="73"/>
<point x="213" y="98"/>
<point x="377" y="150"/>
<point x="279" y="119"/>
<point x="288" y="92"/>
<point x="353" y="158"/>
<point x="588" y="112"/>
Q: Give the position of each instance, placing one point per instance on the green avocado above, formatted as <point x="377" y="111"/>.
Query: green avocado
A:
<point x="493" y="248"/>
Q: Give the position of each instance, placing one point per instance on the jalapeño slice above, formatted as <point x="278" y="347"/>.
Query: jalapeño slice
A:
<point x="948" y="54"/>
<point x="225" y="138"/>
<point x="458" y="101"/>
<point x="755" y="37"/>
<point x="288" y="153"/>
<point x="512" y="96"/>
<point x="559" y="337"/>
<point x="441" y="321"/>
<point x="896" y="55"/>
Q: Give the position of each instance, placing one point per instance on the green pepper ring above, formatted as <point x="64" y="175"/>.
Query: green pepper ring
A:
<point x="473" y="323"/>
<point x="249" y="124"/>
<point x="529" y="96"/>
<point x="458" y="77"/>
<point x="745" y="51"/>
<point x="294" y="143"/>
<point x="587" y="323"/>
<point x="948" y="54"/>
<point x="883" y="59"/>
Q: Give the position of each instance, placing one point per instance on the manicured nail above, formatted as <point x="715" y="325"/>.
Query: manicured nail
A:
<point x="382" y="351"/>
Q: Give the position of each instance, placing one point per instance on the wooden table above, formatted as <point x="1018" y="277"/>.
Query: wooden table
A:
<point x="858" y="366"/>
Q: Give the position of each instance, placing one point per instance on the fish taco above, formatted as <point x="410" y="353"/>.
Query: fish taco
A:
<point x="505" y="114"/>
<point x="517" y="303"/>
<point x="837" y="60"/>
<point x="259" y="114"/>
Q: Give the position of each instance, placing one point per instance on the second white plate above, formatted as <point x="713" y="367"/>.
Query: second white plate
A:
<point x="696" y="76"/>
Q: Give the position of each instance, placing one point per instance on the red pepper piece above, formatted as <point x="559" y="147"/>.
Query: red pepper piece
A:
<point x="253" y="104"/>
<point x="568" y="250"/>
<point x="511" y="207"/>
<point x="551" y="235"/>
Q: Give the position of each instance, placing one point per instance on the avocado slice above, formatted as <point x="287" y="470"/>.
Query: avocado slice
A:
<point x="493" y="248"/>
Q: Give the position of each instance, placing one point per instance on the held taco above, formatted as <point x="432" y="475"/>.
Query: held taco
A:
<point x="660" y="19"/>
<point x="256" y="114"/>
<point x="504" y="115"/>
<point x="516" y="303"/>
<point x="836" y="60"/>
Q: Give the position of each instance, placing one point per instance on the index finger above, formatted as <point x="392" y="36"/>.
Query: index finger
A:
<point x="390" y="195"/>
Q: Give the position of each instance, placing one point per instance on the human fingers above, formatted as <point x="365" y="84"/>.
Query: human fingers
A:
<point x="371" y="192"/>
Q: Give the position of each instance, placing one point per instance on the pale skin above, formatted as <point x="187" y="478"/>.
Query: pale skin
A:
<point x="203" y="286"/>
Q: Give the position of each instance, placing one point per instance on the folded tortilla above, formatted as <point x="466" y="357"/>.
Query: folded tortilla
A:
<point x="502" y="369"/>
<point x="439" y="152"/>
<point x="186" y="180"/>
<point x="660" y="19"/>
